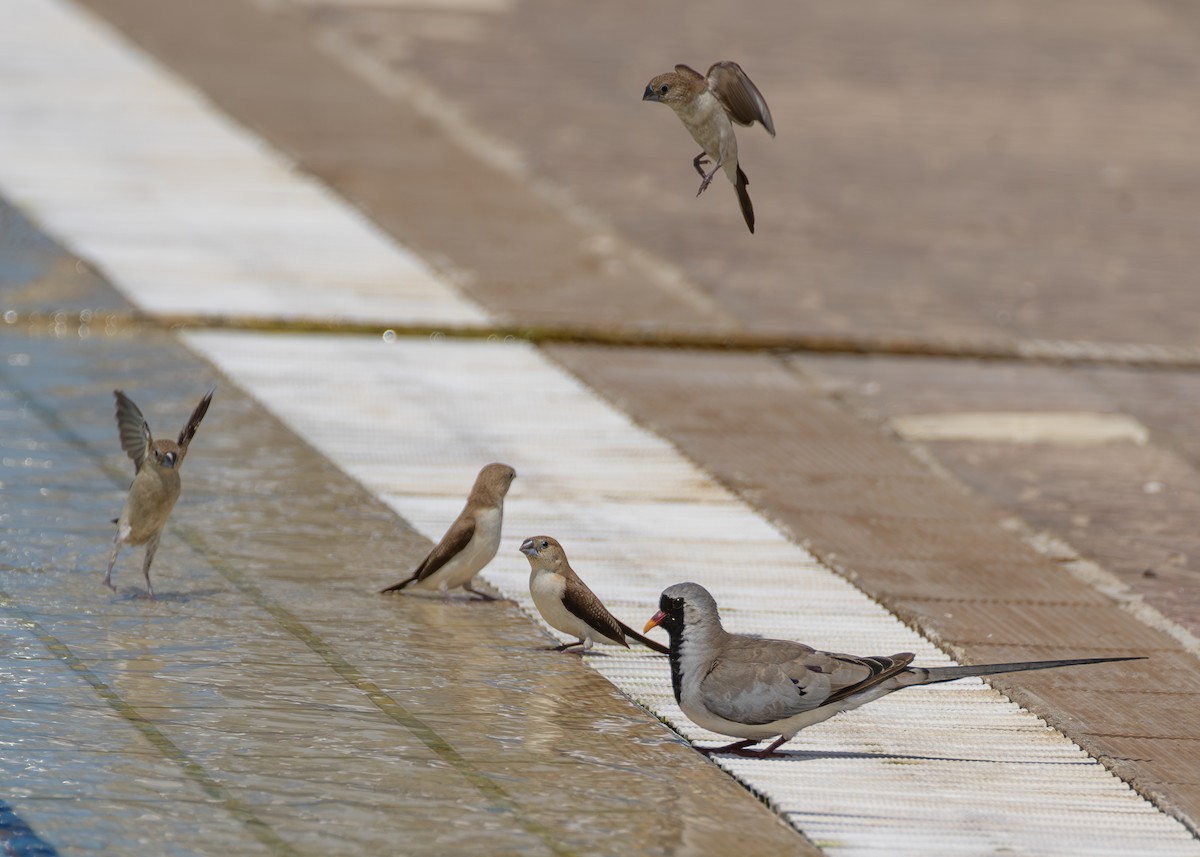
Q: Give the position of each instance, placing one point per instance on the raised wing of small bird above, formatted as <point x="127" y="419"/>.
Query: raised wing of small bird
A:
<point x="737" y="94"/>
<point x="133" y="429"/>
<point x="189" y="428"/>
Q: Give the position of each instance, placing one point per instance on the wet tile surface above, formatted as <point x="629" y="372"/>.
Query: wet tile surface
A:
<point x="270" y="701"/>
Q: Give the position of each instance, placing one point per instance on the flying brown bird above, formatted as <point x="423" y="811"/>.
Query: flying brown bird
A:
<point x="708" y="105"/>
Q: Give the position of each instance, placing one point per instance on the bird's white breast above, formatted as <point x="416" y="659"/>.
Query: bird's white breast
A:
<point x="710" y="126"/>
<point x="547" y="589"/>
<point x="471" y="559"/>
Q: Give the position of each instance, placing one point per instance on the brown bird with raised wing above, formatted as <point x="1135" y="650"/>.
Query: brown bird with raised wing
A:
<point x="472" y="540"/>
<point x="708" y="105"/>
<point x="567" y="603"/>
<point x="754" y="689"/>
<point x="156" y="484"/>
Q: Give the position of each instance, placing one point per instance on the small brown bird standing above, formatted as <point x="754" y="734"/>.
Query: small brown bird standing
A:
<point x="566" y="602"/>
<point x="156" y="482"/>
<point x="472" y="540"/>
<point x="708" y="106"/>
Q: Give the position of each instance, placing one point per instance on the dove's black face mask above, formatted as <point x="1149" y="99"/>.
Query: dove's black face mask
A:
<point x="670" y="615"/>
<point x="670" y="618"/>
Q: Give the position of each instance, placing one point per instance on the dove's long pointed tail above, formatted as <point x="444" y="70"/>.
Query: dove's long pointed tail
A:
<point x="744" y="198"/>
<point x="933" y="675"/>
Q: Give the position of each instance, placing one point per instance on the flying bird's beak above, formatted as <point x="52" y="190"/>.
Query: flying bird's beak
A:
<point x="649" y="94"/>
<point x="169" y="460"/>
<point x="654" y="620"/>
<point x="528" y="548"/>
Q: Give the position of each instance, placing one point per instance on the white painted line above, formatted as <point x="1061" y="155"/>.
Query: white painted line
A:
<point x="949" y="769"/>
<point x="1075" y="428"/>
<point x="184" y="210"/>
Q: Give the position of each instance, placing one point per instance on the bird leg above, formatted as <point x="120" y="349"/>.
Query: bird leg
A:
<point x="762" y="754"/>
<point x="566" y="646"/>
<point x="708" y="177"/>
<point x="738" y="747"/>
<point x="112" y="560"/>
<point x="699" y="161"/>
<point x="151" y="547"/>
<point x="482" y="595"/>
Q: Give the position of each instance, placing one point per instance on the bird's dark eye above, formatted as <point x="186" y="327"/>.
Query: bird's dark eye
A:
<point x="545" y="544"/>
<point x="663" y="89"/>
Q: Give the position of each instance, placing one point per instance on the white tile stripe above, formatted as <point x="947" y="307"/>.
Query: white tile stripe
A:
<point x="183" y="209"/>
<point x="188" y="213"/>
<point x="950" y="769"/>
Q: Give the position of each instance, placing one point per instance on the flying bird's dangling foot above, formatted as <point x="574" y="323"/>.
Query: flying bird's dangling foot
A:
<point x="699" y="162"/>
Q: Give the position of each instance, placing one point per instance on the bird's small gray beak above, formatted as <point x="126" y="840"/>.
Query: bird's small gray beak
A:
<point x="169" y="460"/>
<point x="649" y="94"/>
<point x="528" y="548"/>
<point x="654" y="620"/>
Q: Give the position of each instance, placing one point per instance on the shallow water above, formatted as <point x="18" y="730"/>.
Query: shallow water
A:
<point x="270" y="701"/>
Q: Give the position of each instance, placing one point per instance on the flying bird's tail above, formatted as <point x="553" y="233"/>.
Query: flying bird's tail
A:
<point x="933" y="675"/>
<point x="654" y="645"/>
<point x="744" y="198"/>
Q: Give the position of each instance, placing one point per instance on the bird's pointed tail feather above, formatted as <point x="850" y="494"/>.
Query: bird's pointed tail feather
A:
<point x="744" y="198"/>
<point x="933" y="675"/>
<point x="654" y="645"/>
<point x="399" y="585"/>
